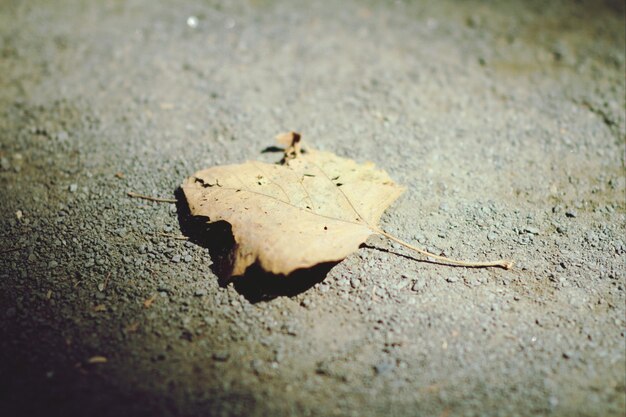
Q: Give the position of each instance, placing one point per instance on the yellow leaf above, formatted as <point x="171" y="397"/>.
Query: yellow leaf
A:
<point x="314" y="208"/>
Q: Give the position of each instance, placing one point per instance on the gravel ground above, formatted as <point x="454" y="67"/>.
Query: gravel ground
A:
<point x="506" y="122"/>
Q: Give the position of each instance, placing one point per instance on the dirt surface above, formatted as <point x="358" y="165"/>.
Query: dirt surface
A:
<point x="505" y="121"/>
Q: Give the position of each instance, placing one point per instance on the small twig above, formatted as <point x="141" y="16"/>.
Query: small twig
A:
<point x="179" y="237"/>
<point x="147" y="197"/>
<point x="501" y="263"/>
<point x="106" y="281"/>
<point x="2" y="252"/>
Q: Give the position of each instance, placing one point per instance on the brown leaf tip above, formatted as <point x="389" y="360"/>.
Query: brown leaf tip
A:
<point x="292" y="144"/>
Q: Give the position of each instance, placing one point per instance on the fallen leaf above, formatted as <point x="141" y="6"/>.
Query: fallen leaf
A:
<point x="100" y="307"/>
<point x="97" y="359"/>
<point x="313" y="207"/>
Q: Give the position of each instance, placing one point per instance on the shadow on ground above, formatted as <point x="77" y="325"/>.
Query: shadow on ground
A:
<point x="256" y="285"/>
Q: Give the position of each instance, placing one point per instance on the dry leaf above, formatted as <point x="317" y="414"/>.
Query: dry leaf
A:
<point x="148" y="302"/>
<point x="312" y="208"/>
<point x="316" y="207"/>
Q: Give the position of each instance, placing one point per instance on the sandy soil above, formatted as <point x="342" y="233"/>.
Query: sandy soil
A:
<point x="506" y="122"/>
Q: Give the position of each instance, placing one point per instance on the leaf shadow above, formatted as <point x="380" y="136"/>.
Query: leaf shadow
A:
<point x="255" y="285"/>
<point x="258" y="285"/>
<point x="273" y="149"/>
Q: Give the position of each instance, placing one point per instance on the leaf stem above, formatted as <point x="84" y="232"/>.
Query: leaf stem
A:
<point x="147" y="197"/>
<point x="178" y="237"/>
<point x="499" y="263"/>
<point x="2" y="252"/>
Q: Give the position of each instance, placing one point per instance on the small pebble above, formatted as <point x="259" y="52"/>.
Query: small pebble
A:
<point x="384" y="367"/>
<point x="401" y="284"/>
<point x="434" y="250"/>
<point x="571" y="213"/>
<point x="176" y="259"/>
<point x="221" y="356"/>
<point x="257" y="366"/>
<point x="73" y="188"/>
<point x="192" y="22"/>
